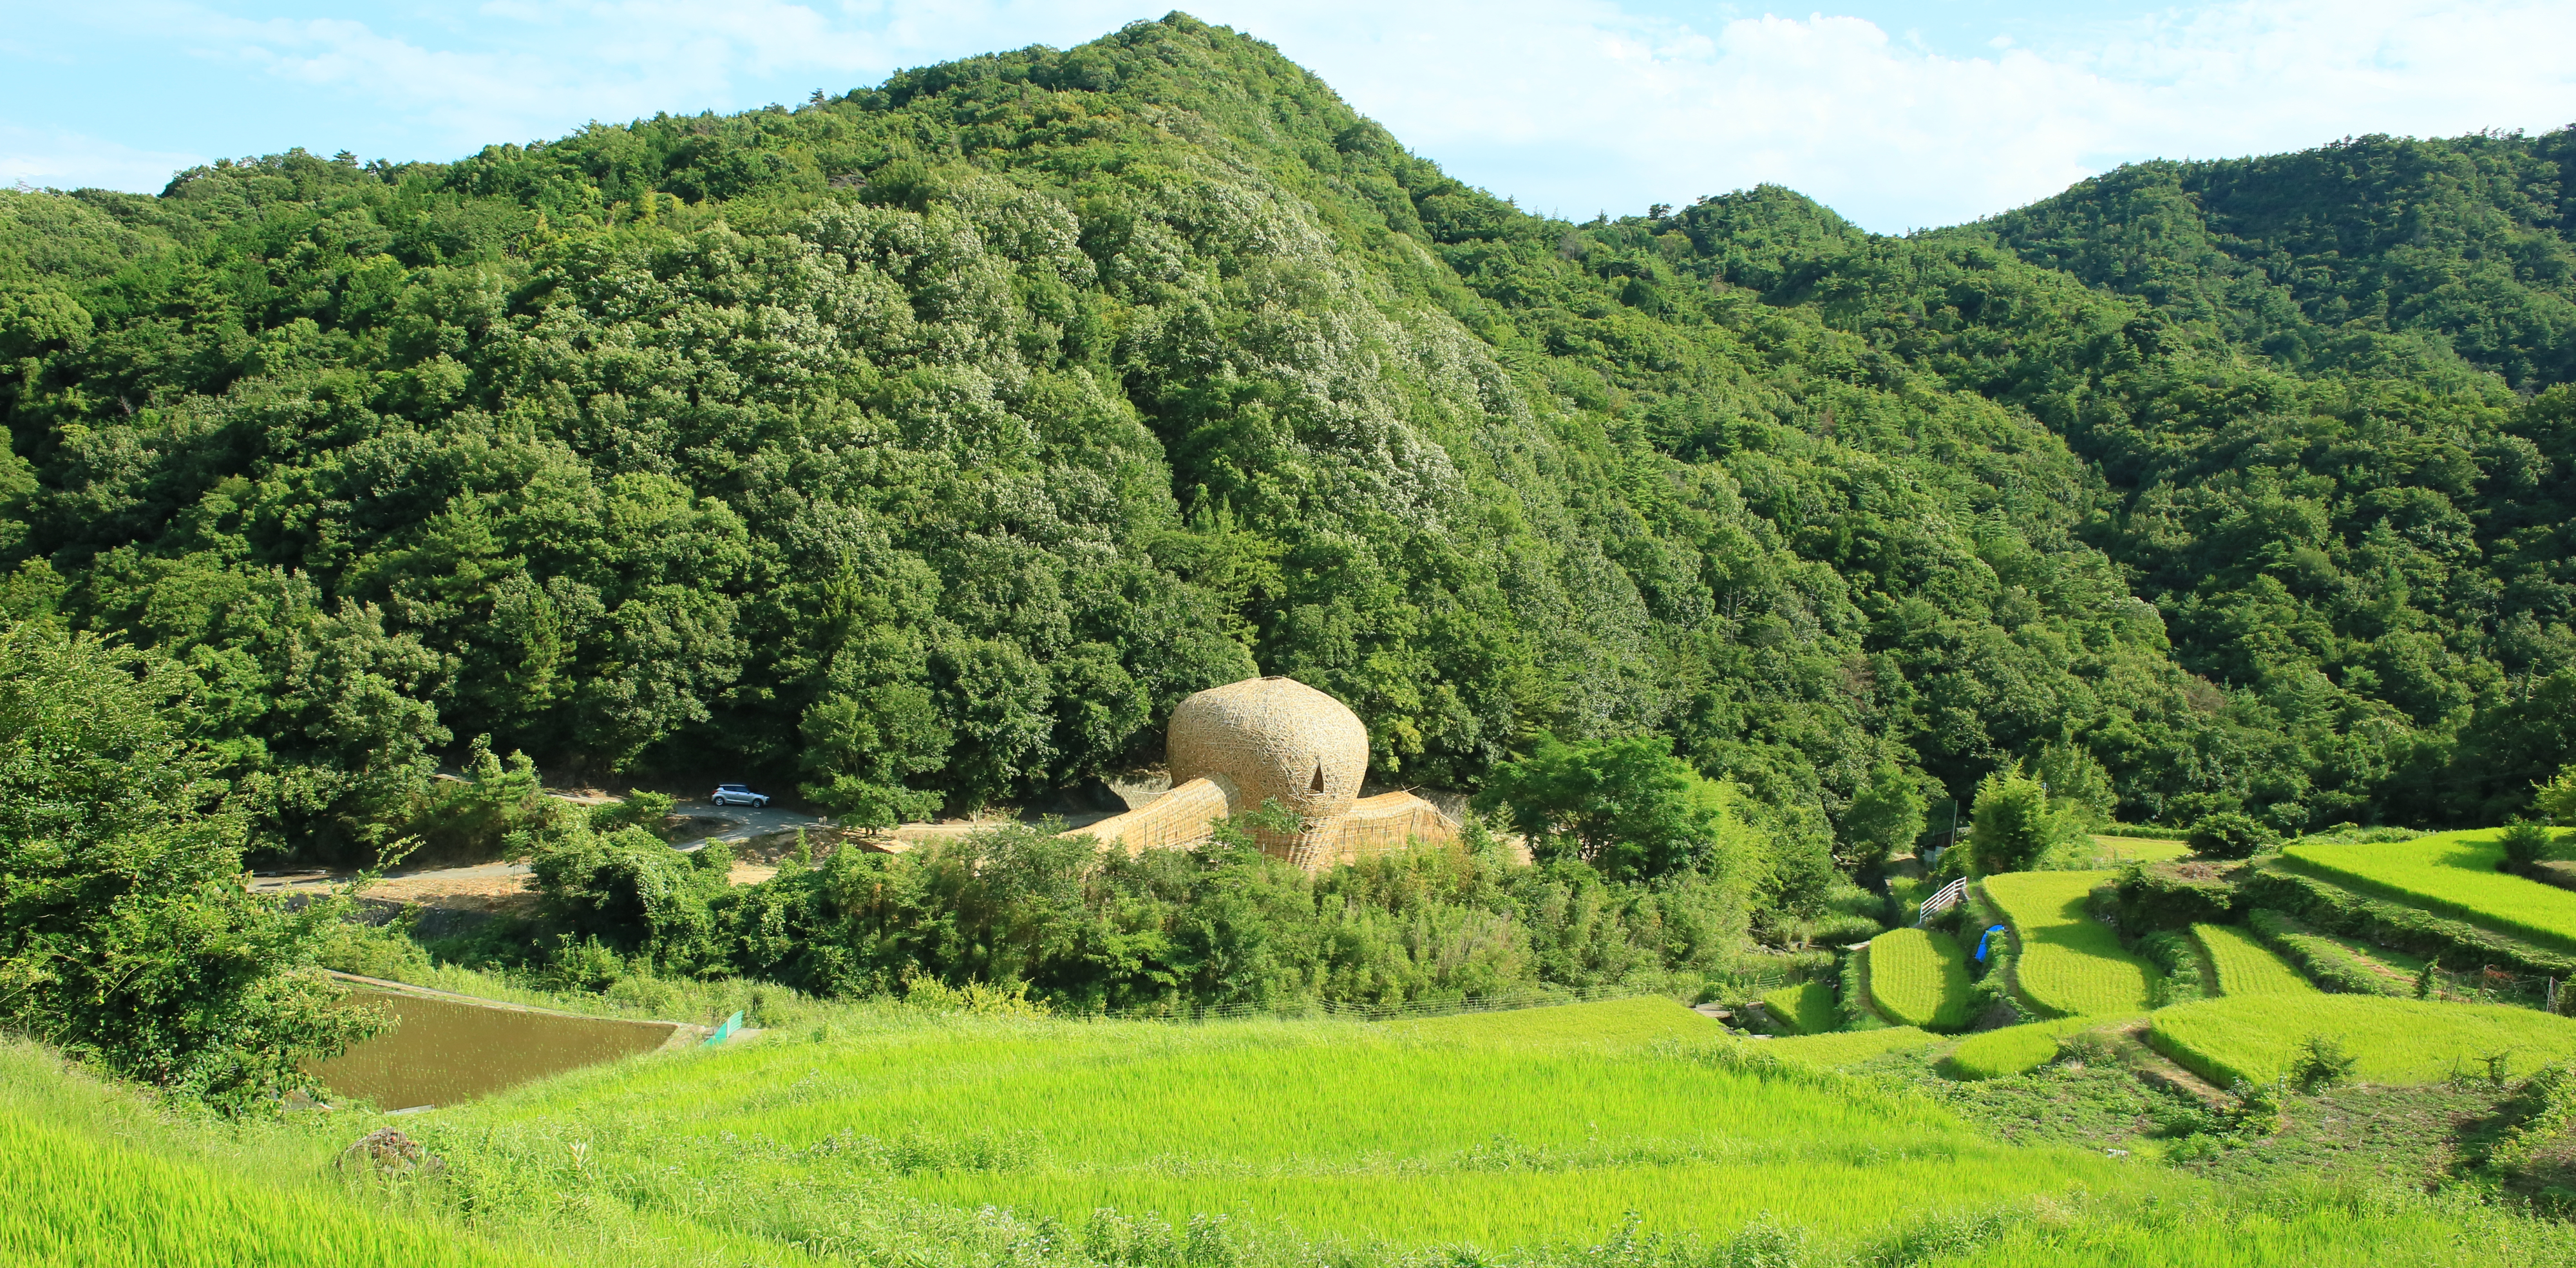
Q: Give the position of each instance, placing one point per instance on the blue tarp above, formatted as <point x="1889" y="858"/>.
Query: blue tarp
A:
<point x="1984" y="938"/>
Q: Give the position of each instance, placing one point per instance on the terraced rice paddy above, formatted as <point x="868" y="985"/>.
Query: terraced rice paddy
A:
<point x="2070" y="963"/>
<point x="1919" y="977"/>
<point x="1847" y="1048"/>
<point x="1493" y="1130"/>
<point x="2396" y="1040"/>
<point x="2117" y="849"/>
<point x="2453" y="873"/>
<point x="1807" y="1008"/>
<point x="1993" y="1054"/>
<point x="2245" y="966"/>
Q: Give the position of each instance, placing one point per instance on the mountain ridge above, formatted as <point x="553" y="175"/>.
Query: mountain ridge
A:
<point x="933" y="439"/>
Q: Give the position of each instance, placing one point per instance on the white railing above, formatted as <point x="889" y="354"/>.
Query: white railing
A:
<point x="1947" y="897"/>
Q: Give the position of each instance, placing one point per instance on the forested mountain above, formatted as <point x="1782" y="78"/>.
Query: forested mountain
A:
<point x="938" y="437"/>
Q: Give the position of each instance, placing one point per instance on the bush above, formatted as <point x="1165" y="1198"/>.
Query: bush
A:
<point x="2152" y="896"/>
<point x="641" y="809"/>
<point x="2525" y="843"/>
<point x="2226" y="834"/>
<point x="2321" y="1063"/>
<point x="125" y="934"/>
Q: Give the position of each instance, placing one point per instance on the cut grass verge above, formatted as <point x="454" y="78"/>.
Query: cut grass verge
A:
<point x="2245" y="966"/>
<point x="2396" y="1041"/>
<point x="1919" y="977"/>
<point x="2451" y="873"/>
<point x="2070" y="964"/>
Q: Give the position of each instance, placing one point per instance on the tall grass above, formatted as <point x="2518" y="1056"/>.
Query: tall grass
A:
<point x="2070" y="963"/>
<point x="2396" y="1040"/>
<point x="1919" y="977"/>
<point x="2453" y="873"/>
<point x="2245" y="966"/>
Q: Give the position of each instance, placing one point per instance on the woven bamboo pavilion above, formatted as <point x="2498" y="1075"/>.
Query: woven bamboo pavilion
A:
<point x="1231" y="748"/>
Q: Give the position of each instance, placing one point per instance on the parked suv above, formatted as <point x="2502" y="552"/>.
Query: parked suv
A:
<point x="737" y="795"/>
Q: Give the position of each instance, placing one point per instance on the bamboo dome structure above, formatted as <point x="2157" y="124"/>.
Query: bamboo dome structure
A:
<point x="1235" y="747"/>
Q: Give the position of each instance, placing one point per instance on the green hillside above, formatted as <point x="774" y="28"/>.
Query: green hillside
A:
<point x="927" y="442"/>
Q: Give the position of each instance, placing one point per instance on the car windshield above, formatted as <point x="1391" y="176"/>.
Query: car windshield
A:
<point x="730" y="788"/>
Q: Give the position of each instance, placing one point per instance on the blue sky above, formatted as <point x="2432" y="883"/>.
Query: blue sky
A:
<point x="1897" y="115"/>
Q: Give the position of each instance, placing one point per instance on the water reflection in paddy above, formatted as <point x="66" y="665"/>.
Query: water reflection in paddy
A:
<point x="450" y="1050"/>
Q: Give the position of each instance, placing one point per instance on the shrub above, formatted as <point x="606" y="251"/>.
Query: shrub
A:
<point x="125" y="933"/>
<point x="2321" y="1063"/>
<point x="2525" y="843"/>
<point x="2151" y="896"/>
<point x="2227" y="834"/>
<point x="641" y="809"/>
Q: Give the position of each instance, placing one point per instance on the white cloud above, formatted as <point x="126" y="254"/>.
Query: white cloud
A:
<point x="1569" y="105"/>
<point x="1581" y="106"/>
<point x="69" y="160"/>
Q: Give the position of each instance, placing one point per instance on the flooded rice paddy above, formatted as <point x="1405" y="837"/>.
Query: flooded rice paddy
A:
<point x="447" y="1050"/>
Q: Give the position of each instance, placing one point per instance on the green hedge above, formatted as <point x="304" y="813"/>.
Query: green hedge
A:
<point x="2337" y="910"/>
<point x="2152" y="896"/>
<point x="2327" y="963"/>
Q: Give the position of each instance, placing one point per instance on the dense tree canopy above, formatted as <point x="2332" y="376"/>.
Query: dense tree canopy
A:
<point x="932" y="440"/>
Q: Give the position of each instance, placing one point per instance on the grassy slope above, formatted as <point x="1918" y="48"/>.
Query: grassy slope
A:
<point x="2453" y="873"/>
<point x="2397" y="1040"/>
<point x="2070" y="964"/>
<point x="1919" y="977"/>
<point x="94" y="1180"/>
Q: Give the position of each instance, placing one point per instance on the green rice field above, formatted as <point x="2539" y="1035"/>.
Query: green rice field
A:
<point x="2245" y="966"/>
<point x="2118" y="849"/>
<point x="1491" y="1131"/>
<point x="2453" y="873"/>
<point x="1584" y="1134"/>
<point x="2396" y="1040"/>
<point x="2070" y="964"/>
<point x="1919" y="977"/>
<point x="1848" y="1048"/>
<point x="1805" y="1008"/>
<point x="2018" y="1049"/>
